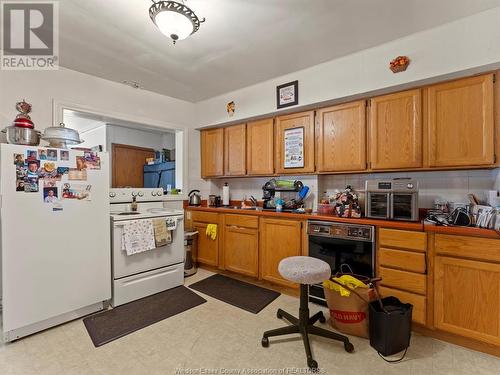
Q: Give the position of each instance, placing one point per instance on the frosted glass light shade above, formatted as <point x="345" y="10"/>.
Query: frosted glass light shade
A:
<point x="174" y="25"/>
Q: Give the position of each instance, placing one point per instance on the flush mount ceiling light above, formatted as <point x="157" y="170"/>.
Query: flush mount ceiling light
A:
<point x="174" y="19"/>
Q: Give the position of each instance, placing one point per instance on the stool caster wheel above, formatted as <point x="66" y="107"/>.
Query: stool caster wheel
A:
<point x="265" y="342"/>
<point x="313" y="365"/>
<point x="349" y="348"/>
<point x="278" y="315"/>
<point x="322" y="319"/>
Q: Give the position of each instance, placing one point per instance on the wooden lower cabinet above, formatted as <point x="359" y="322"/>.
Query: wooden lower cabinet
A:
<point x="208" y="249"/>
<point x="279" y="239"/>
<point x="467" y="298"/>
<point x="241" y="246"/>
<point x="419" y="302"/>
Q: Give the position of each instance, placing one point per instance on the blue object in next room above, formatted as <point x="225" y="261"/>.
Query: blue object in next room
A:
<point x="159" y="175"/>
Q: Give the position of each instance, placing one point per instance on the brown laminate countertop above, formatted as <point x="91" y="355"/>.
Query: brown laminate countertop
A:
<point x="404" y="225"/>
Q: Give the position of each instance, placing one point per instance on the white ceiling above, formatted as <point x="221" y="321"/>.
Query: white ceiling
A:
<point x="242" y="42"/>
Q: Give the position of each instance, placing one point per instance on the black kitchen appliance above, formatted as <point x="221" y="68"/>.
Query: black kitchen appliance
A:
<point x="395" y="199"/>
<point x="341" y="244"/>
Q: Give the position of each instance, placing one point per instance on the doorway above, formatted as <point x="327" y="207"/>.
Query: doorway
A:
<point x="140" y="155"/>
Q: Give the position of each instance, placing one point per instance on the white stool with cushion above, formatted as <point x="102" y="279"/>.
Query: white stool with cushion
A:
<point x="305" y="271"/>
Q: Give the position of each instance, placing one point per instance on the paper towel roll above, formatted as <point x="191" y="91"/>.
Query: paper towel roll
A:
<point x="225" y="194"/>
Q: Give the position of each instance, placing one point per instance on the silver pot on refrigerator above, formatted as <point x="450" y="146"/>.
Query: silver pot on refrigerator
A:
<point x="22" y="136"/>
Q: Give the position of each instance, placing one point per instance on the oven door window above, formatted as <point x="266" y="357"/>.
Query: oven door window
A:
<point x="402" y="206"/>
<point x="358" y="255"/>
<point x="378" y="205"/>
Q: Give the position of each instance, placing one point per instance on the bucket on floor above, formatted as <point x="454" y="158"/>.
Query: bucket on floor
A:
<point x="390" y="326"/>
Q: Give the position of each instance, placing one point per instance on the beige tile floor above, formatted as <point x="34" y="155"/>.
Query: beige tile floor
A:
<point x="219" y="338"/>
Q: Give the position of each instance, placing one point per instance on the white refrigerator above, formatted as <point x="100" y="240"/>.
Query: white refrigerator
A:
<point x="55" y="236"/>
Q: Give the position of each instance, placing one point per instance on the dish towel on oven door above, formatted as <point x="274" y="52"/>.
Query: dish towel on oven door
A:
<point x="138" y="236"/>
<point x="163" y="236"/>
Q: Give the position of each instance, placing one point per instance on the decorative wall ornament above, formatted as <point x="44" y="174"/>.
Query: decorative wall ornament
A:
<point x="399" y="64"/>
<point x="230" y="108"/>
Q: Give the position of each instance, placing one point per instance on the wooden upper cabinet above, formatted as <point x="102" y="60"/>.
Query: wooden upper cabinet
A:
<point x="260" y="147"/>
<point x="460" y="122"/>
<point x="341" y="137"/>
<point x="212" y="152"/>
<point x="235" y="150"/>
<point x="296" y="121"/>
<point x="395" y="138"/>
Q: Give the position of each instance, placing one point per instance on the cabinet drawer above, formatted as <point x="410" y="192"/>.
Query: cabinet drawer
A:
<point x="468" y="247"/>
<point x="205" y="217"/>
<point x="418" y="302"/>
<point x="245" y="221"/>
<point x="409" y="281"/>
<point x="401" y="259"/>
<point x="403" y="239"/>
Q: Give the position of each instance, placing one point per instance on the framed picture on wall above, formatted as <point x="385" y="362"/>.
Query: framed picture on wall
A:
<point x="294" y="148"/>
<point x="287" y="94"/>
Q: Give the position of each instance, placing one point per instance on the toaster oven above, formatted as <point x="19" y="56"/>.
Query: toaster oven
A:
<point x="395" y="199"/>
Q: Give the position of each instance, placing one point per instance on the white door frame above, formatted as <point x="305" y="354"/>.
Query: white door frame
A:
<point x="181" y="143"/>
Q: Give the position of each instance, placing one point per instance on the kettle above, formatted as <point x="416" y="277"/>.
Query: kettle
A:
<point x="194" y="198"/>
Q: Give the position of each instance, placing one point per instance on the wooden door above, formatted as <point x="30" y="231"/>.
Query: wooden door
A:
<point x="241" y="250"/>
<point x="208" y="249"/>
<point x="460" y="122"/>
<point x="235" y="150"/>
<point x="212" y="152"/>
<point x="467" y="298"/>
<point x="341" y="137"/>
<point x="279" y="239"/>
<point x="395" y="137"/>
<point x="305" y="121"/>
<point x="128" y="165"/>
<point x="260" y="147"/>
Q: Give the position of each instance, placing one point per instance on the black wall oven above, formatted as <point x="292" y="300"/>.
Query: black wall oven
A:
<point x="345" y="247"/>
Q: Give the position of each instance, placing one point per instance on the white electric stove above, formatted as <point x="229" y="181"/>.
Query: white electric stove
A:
<point x="140" y="275"/>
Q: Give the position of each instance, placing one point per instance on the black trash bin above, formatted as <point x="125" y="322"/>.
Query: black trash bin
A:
<point x="390" y="326"/>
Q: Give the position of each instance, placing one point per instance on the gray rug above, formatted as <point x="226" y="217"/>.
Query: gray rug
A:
<point x="246" y="296"/>
<point x="112" y="324"/>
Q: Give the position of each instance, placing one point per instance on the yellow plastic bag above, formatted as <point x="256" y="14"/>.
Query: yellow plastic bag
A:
<point x="347" y="280"/>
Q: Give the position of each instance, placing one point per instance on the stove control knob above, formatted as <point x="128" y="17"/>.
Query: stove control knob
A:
<point x="140" y="194"/>
<point x="153" y="193"/>
<point x="160" y="193"/>
<point x="134" y="194"/>
<point x="410" y="185"/>
<point x="112" y="194"/>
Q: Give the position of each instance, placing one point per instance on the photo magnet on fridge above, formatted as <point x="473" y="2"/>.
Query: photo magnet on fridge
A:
<point x="76" y="174"/>
<point x="21" y="171"/>
<point x="50" y="194"/>
<point x="64" y="155"/>
<point x="52" y="155"/>
<point x="92" y="161"/>
<point x="31" y="155"/>
<point x="81" y="164"/>
<point x="31" y="184"/>
<point x="76" y="191"/>
<point x="42" y="154"/>
<point x="20" y="185"/>
<point x="19" y="159"/>
<point x="62" y="170"/>
<point x="33" y="166"/>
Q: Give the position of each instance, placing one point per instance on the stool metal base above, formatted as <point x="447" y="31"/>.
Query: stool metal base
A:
<point x="305" y="326"/>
